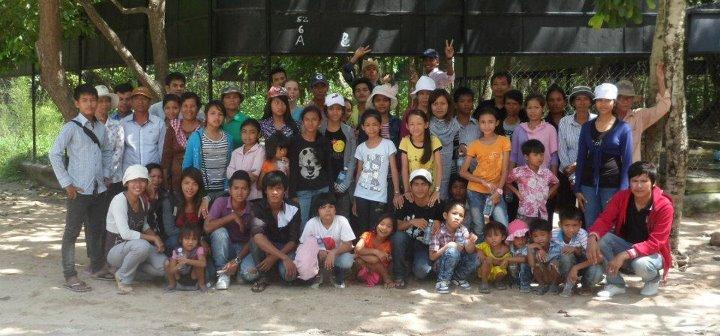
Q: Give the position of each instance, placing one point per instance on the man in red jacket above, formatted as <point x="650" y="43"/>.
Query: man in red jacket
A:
<point x="634" y="229"/>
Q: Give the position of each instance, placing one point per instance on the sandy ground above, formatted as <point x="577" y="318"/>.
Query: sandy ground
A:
<point x="32" y="300"/>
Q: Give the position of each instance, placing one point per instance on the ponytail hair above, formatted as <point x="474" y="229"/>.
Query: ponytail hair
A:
<point x="427" y="144"/>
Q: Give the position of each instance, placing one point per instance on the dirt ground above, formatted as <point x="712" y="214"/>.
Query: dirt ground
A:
<point x="32" y="300"/>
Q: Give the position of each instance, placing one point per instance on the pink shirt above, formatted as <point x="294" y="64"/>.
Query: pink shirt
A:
<point x="535" y="188"/>
<point x="250" y="162"/>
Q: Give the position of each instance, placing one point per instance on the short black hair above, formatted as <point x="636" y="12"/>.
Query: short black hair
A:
<point x="643" y="168"/>
<point x="362" y="80"/>
<point x="457" y="178"/>
<point x="170" y="97"/>
<point x="217" y="103"/>
<point x="84" y="89"/>
<point x="188" y="231"/>
<point x="275" y="141"/>
<point x="322" y="200"/>
<point x="453" y="204"/>
<point x="153" y="165"/>
<point x="515" y="95"/>
<point x="124" y="87"/>
<point x="370" y="113"/>
<point x="482" y="110"/>
<point x="273" y="179"/>
<point x="537" y="224"/>
<point x="501" y="74"/>
<point x="174" y="76"/>
<point x="190" y="95"/>
<point x="532" y="146"/>
<point x="463" y="91"/>
<point x="239" y="175"/>
<point x="277" y="69"/>
<point x="571" y="213"/>
<point x="252" y="122"/>
<point x="555" y="88"/>
<point x="495" y="226"/>
<point x="312" y="108"/>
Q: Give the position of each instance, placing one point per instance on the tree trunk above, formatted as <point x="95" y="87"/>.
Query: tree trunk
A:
<point x="124" y="53"/>
<point x="487" y="88"/>
<point x="49" y="52"/>
<point x="652" y="137"/>
<point x="156" y="28"/>
<point x="676" y="136"/>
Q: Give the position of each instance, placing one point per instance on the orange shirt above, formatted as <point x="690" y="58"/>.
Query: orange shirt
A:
<point x="489" y="162"/>
<point x="369" y="239"/>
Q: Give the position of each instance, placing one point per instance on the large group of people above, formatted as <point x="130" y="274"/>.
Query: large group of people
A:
<point x="203" y="194"/>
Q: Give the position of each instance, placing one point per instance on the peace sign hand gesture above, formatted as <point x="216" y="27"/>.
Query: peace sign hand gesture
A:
<point x="449" y="49"/>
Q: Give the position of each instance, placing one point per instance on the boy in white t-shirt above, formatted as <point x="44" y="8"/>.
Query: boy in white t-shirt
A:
<point x="334" y="236"/>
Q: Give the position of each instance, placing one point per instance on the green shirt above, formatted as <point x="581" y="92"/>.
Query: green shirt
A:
<point x="233" y="128"/>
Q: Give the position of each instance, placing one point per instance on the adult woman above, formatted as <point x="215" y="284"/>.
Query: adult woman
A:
<point x="557" y="104"/>
<point x="131" y="242"/>
<point x="514" y="113"/>
<point x="209" y="150"/>
<point x="176" y="137"/>
<point x="604" y="155"/>
<point x="292" y="87"/>
<point x="277" y="115"/>
<point x="444" y="126"/>
<point x="180" y="209"/>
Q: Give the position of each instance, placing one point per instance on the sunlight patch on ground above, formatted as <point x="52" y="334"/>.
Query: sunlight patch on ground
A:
<point x="10" y="271"/>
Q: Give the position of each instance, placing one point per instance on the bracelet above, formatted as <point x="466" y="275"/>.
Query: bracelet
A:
<point x="398" y="193"/>
<point x="499" y="191"/>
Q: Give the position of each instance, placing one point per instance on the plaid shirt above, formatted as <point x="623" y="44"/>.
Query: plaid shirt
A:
<point x="578" y="240"/>
<point x="443" y="237"/>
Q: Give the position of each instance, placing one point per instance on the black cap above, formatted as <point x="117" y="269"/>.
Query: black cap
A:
<point x="430" y="53"/>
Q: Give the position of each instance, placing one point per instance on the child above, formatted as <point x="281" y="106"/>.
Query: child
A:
<point x="535" y="182"/>
<point x="383" y="100"/>
<point x="334" y="235"/>
<point x="376" y="160"/>
<point x="452" y="249"/>
<point x="543" y="256"/>
<point x="517" y="264"/>
<point x="491" y="152"/>
<point x="341" y="139"/>
<point x="494" y="256"/>
<point x="249" y="157"/>
<point x="446" y="128"/>
<point x="458" y="193"/>
<point x="414" y="154"/>
<point x="187" y="263"/>
<point x="276" y="150"/>
<point x="374" y="252"/>
<point x="572" y="239"/>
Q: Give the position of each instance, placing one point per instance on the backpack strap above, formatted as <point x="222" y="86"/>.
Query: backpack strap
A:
<point x="88" y="132"/>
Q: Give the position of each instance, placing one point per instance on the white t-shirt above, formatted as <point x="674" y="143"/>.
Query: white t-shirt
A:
<point x="340" y="230"/>
<point x="373" y="182"/>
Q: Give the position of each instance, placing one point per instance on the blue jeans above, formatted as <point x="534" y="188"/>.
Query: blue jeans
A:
<point x="595" y="201"/>
<point x="454" y="264"/>
<point x="405" y="246"/>
<point x="343" y="263"/>
<point x="520" y="274"/>
<point x="477" y="204"/>
<point x="646" y="267"/>
<point x="259" y="255"/>
<point x="305" y="198"/>
<point x="591" y="275"/>
<point x="224" y="250"/>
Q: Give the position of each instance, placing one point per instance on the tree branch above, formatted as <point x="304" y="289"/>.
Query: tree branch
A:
<point x="124" y="10"/>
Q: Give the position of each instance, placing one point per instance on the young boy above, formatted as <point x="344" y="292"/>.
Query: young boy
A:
<point x="341" y="139"/>
<point x="335" y="237"/>
<point x="452" y="249"/>
<point x="85" y="179"/>
<point x="175" y="83"/>
<point x="536" y="183"/>
<point x="543" y="256"/>
<point x="572" y="239"/>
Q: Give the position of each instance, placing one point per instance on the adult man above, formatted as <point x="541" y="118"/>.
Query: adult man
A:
<point x="124" y="106"/>
<point x="116" y="138"/>
<point x="319" y="87"/>
<point x="174" y="84"/>
<point x="362" y="88"/>
<point x="231" y="98"/>
<point x="634" y="229"/>
<point x="278" y="76"/>
<point x="500" y="83"/>
<point x="84" y="179"/>
<point x="370" y="68"/>
<point x="144" y="133"/>
<point x="641" y="119"/>
<point x="431" y="63"/>
<point x="276" y="232"/>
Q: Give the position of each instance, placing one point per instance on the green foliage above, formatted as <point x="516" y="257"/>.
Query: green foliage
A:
<point x="618" y="13"/>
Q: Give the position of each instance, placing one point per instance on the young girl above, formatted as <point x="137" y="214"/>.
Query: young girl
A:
<point x="491" y="152"/>
<point x="414" y="154"/>
<point x="373" y="253"/>
<point x="376" y="160"/>
<point x="187" y="263"/>
<point x="209" y="149"/>
<point x="517" y="264"/>
<point x="446" y="128"/>
<point x="277" y="115"/>
<point x="494" y="256"/>
<point x="249" y="157"/>
<point x="452" y="248"/>
<point x="543" y="257"/>
<point x="293" y="91"/>
<point x="180" y="209"/>
<point x="155" y="194"/>
<point x="310" y="163"/>
<point x="383" y="100"/>
<point x="535" y="183"/>
<point x="420" y="101"/>
<point x="276" y="151"/>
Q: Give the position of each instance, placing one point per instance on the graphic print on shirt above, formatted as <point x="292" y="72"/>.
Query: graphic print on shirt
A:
<point x="309" y="164"/>
<point x="370" y="178"/>
<point x="338" y="148"/>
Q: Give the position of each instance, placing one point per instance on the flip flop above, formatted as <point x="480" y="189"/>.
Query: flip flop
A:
<point x="259" y="286"/>
<point x="78" y="287"/>
<point x="105" y="276"/>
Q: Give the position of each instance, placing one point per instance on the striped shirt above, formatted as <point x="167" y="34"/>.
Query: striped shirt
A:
<point x="88" y="164"/>
<point x="214" y="161"/>
<point x="116" y="136"/>
<point x="569" y="138"/>
<point x="579" y="240"/>
<point x="143" y="143"/>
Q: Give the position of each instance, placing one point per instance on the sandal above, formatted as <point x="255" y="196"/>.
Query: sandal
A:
<point x="78" y="287"/>
<point x="259" y="286"/>
<point x="400" y="284"/>
<point x="105" y="276"/>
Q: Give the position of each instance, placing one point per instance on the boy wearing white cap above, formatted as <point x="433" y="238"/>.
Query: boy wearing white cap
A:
<point x="341" y="138"/>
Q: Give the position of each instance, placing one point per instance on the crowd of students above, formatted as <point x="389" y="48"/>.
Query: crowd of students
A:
<point x="204" y="194"/>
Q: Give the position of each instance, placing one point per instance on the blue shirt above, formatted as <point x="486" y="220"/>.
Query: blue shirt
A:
<point x="143" y="143"/>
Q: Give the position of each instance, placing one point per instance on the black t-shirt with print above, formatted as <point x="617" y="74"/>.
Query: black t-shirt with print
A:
<point x="411" y="210"/>
<point x="310" y="164"/>
<point x="337" y="142"/>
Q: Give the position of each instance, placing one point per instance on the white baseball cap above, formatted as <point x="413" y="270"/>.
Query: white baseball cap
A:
<point x="103" y="91"/>
<point x="334" y="99"/>
<point x="424" y="83"/>
<point x="606" y="91"/>
<point x="135" y="172"/>
<point x="423" y="173"/>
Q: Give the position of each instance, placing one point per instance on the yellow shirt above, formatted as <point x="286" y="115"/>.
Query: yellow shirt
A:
<point x="496" y="272"/>
<point x="489" y="162"/>
<point x="414" y="154"/>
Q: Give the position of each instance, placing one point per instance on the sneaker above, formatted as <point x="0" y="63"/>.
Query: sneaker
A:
<point x="442" y="287"/>
<point x="317" y="282"/>
<point x="484" y="288"/>
<point x="651" y="287"/>
<point x="542" y="289"/>
<point x="500" y="285"/>
<point x="223" y="282"/>
<point x="339" y="285"/>
<point x="610" y="291"/>
<point x="463" y="284"/>
<point x="525" y="289"/>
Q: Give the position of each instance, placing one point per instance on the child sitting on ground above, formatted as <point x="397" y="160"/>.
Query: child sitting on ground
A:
<point x="187" y="263"/>
<point x="373" y="253"/>
<point x="572" y="239"/>
<point x="517" y="264"/>
<point x="452" y="249"/>
<point x="535" y="183"/>
<point x="494" y="256"/>
<point x="543" y="257"/>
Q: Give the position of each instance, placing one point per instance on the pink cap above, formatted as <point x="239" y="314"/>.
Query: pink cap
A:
<point x="517" y="228"/>
<point x="276" y="91"/>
